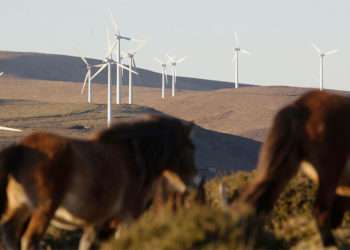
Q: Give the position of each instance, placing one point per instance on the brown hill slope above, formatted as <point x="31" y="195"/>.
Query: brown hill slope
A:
<point x="51" y="67"/>
<point x="233" y="121"/>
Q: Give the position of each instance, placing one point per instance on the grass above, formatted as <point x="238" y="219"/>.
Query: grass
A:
<point x="214" y="226"/>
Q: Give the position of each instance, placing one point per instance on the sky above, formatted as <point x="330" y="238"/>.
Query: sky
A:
<point x="277" y="32"/>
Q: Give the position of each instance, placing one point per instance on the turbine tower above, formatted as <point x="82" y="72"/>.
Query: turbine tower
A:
<point x="174" y="62"/>
<point x="164" y="75"/>
<point x="322" y="59"/>
<point x="119" y="38"/>
<point x="108" y="62"/>
<point x="236" y="50"/>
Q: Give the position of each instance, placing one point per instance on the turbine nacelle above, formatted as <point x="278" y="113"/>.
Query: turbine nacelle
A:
<point x="119" y="37"/>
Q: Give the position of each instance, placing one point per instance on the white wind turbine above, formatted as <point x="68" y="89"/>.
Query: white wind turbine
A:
<point x="236" y="50"/>
<point x="164" y="75"/>
<point x="322" y="59"/>
<point x="119" y="38"/>
<point x="132" y="64"/>
<point x="174" y="62"/>
<point x="108" y="62"/>
<point x="88" y="78"/>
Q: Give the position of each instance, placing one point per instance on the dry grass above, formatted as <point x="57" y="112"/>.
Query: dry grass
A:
<point x="212" y="226"/>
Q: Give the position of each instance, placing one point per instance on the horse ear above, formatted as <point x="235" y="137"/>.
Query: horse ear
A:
<point x="189" y="125"/>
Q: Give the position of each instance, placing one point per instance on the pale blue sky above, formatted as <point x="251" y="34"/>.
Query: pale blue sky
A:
<point x="278" y="32"/>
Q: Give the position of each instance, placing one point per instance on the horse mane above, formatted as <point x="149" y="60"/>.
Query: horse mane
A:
<point x="155" y="139"/>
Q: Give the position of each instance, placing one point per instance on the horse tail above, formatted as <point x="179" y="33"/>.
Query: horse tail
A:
<point x="9" y="159"/>
<point x="279" y="159"/>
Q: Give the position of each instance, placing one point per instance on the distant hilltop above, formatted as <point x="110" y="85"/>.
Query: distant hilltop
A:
<point x="54" y="67"/>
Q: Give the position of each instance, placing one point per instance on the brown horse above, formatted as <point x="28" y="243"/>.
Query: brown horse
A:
<point x="88" y="184"/>
<point x="314" y="133"/>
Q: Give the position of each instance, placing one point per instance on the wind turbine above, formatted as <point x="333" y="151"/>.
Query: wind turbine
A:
<point x="174" y="61"/>
<point x="322" y="59"/>
<point x="87" y="78"/>
<point x="164" y="75"/>
<point x="10" y="129"/>
<point x="236" y="50"/>
<point x="132" y="64"/>
<point x="108" y="62"/>
<point x="119" y="38"/>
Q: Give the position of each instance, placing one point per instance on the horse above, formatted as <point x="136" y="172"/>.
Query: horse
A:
<point x="312" y="133"/>
<point x="89" y="184"/>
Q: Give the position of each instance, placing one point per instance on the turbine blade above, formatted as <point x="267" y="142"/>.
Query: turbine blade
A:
<point x="236" y="39"/>
<point x="133" y="63"/>
<point x="158" y="60"/>
<point x="181" y="59"/>
<point x="84" y="60"/>
<point x="134" y="51"/>
<point x="110" y="52"/>
<point x="246" y="51"/>
<point x="172" y="59"/>
<point x="316" y="48"/>
<point x="99" y="65"/>
<point x="114" y="22"/>
<point x="127" y="68"/>
<point x="81" y="56"/>
<point x="108" y="38"/>
<point x="10" y="129"/>
<point x="85" y="81"/>
<point x="99" y="71"/>
<point x="331" y="52"/>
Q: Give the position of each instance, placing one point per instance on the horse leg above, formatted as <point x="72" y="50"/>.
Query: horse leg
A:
<point x="37" y="226"/>
<point x="322" y="208"/>
<point x="325" y="198"/>
<point x="88" y="238"/>
<point x="14" y="227"/>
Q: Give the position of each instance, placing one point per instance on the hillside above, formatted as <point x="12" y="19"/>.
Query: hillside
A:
<point x="232" y="123"/>
<point x="51" y="67"/>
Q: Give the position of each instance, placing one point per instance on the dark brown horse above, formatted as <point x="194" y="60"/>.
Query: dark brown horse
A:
<point x="314" y="133"/>
<point x="88" y="184"/>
